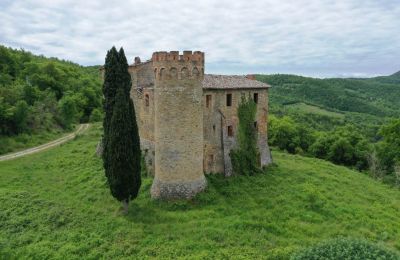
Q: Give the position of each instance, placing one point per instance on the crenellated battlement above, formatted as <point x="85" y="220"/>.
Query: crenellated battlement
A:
<point x="172" y="65"/>
<point x="175" y="56"/>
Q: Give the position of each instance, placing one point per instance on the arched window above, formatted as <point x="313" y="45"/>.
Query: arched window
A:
<point x="162" y="73"/>
<point x="173" y="72"/>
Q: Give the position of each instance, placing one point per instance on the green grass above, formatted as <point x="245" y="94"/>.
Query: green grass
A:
<point x="56" y="204"/>
<point x="310" y="109"/>
<point x="9" y="144"/>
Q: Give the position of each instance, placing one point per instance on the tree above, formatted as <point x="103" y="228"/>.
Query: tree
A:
<point x="21" y="116"/>
<point x="389" y="148"/>
<point x="109" y="91"/>
<point x="122" y="155"/>
<point x="245" y="159"/>
<point x="283" y="132"/>
<point x="68" y="110"/>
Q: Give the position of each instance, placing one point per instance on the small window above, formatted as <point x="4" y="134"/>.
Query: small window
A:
<point x="255" y="98"/>
<point x="256" y="125"/>
<point x="214" y="128"/>
<point x="228" y="100"/>
<point x="230" y="130"/>
<point x="208" y="101"/>
<point x="147" y="100"/>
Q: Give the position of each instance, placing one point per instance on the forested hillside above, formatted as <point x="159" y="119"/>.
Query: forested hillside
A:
<point x="39" y="94"/>
<point x="346" y="121"/>
<point x="375" y="96"/>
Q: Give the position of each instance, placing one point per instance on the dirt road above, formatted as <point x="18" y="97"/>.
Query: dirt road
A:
<point x="42" y="147"/>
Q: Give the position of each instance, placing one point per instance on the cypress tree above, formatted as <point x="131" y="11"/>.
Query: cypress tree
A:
<point x="122" y="158"/>
<point x="110" y="86"/>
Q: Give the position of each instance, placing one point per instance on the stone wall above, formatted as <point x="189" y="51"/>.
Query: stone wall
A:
<point x="178" y="125"/>
<point x="218" y="116"/>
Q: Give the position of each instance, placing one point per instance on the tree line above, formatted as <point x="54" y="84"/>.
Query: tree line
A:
<point x="343" y="144"/>
<point x="38" y="93"/>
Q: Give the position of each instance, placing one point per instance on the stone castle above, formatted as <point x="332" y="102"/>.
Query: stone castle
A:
<point x="188" y="120"/>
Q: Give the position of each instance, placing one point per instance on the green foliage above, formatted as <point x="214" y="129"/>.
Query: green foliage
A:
<point x="343" y="145"/>
<point x="121" y="154"/>
<point x="245" y="158"/>
<point x="288" y="135"/>
<point x="56" y="205"/>
<point x="389" y="148"/>
<point x="96" y="116"/>
<point x="38" y="93"/>
<point x="370" y="96"/>
<point x="68" y="111"/>
<point x="314" y="199"/>
<point x="345" y="248"/>
<point x="123" y="172"/>
<point x="21" y="115"/>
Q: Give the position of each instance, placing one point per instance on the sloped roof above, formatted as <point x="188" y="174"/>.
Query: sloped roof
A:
<point x="211" y="81"/>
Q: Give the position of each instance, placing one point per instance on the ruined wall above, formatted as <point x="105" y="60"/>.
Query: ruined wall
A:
<point x="218" y="116"/>
<point x="178" y="124"/>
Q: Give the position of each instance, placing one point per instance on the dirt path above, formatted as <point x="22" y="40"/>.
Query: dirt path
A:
<point x="42" y="147"/>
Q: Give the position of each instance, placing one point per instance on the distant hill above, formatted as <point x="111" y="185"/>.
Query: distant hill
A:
<point x="375" y="96"/>
<point x="397" y="74"/>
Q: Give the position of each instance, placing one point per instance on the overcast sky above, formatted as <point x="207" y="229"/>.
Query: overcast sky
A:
<point x="309" y="37"/>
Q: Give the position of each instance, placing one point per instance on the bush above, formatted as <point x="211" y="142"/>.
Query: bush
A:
<point x="345" y="248"/>
<point x="96" y="116"/>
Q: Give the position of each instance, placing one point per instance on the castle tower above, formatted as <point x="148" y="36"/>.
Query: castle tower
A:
<point x="178" y="124"/>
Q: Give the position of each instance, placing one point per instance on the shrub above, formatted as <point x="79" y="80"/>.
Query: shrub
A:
<point x="345" y="248"/>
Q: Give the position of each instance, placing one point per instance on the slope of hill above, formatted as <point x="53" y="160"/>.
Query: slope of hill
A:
<point x="367" y="103"/>
<point x="56" y="205"/>
<point x="42" y="96"/>
<point x="374" y="96"/>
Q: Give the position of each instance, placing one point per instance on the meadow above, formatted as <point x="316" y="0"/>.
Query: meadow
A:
<point x="56" y="204"/>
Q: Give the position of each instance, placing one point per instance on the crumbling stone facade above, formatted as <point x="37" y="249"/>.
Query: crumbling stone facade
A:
<point x="188" y="120"/>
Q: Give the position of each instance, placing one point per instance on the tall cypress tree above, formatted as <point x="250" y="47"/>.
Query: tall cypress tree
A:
<point x="110" y="85"/>
<point x="122" y="159"/>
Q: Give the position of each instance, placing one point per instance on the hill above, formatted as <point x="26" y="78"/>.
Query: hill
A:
<point x="42" y="97"/>
<point x="56" y="205"/>
<point x="375" y="96"/>
<point x="366" y="103"/>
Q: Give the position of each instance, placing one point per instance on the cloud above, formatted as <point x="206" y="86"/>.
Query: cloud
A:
<point x="310" y="37"/>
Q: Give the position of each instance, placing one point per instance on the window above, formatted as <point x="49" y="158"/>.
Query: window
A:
<point x="256" y="125"/>
<point x="147" y="100"/>
<point x="255" y="98"/>
<point x="230" y="130"/>
<point x="228" y="100"/>
<point x="208" y="101"/>
<point x="214" y="128"/>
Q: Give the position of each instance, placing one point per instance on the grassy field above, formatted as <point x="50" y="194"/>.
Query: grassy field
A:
<point x="309" y="109"/>
<point x="56" y="204"/>
<point x="20" y="142"/>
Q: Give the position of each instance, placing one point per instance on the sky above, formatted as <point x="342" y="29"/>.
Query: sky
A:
<point x="320" y="38"/>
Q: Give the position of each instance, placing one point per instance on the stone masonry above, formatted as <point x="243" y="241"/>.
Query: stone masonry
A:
<point x="188" y="120"/>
